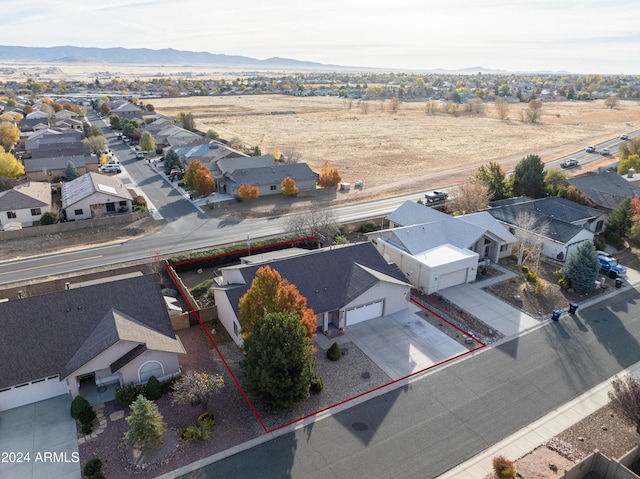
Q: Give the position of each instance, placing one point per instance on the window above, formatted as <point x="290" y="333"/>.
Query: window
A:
<point x="11" y="214"/>
<point x="36" y="212"/>
<point x="273" y="187"/>
<point x="111" y="207"/>
<point x="503" y="247"/>
<point x="148" y="369"/>
<point x="122" y="203"/>
<point x="599" y="226"/>
<point x="77" y="212"/>
<point x="235" y="328"/>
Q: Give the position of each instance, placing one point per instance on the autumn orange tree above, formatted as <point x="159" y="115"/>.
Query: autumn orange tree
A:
<point x="271" y="293"/>
<point x="198" y="177"/>
<point x="289" y="186"/>
<point x="248" y="192"/>
<point x="104" y="109"/>
<point x="328" y="176"/>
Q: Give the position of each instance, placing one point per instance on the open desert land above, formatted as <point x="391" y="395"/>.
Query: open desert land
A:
<point x="406" y="151"/>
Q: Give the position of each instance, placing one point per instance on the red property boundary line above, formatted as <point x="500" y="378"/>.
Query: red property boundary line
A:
<point x="169" y="270"/>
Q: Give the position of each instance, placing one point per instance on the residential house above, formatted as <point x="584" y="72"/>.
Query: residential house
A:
<point x="25" y="203"/>
<point x="36" y="120"/>
<point x="208" y="154"/>
<point x="125" y="110"/>
<point x="58" y="343"/>
<point x="343" y="285"/>
<point x="94" y="195"/>
<point x="606" y="190"/>
<point x="557" y="224"/>
<point x="437" y="251"/>
<point x="38" y="139"/>
<point x="47" y="169"/>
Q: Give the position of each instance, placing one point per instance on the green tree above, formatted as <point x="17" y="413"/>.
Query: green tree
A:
<point x="187" y="120"/>
<point x="9" y="135"/>
<point x="279" y="361"/>
<point x="270" y="293"/>
<point x="196" y="387"/>
<point x="212" y="135"/>
<point x="624" y="399"/>
<point x="71" y="172"/>
<point x="620" y="222"/>
<point x="49" y="218"/>
<point x="128" y="128"/>
<point x="256" y="151"/>
<point x="10" y="167"/>
<point x="95" y="131"/>
<point x="493" y="177"/>
<point x="171" y="160"/>
<point x="628" y="162"/>
<point x="146" y="425"/>
<point x="528" y="177"/>
<point x="154" y="389"/>
<point x="582" y="267"/>
<point x="115" y="122"/>
<point x="147" y="143"/>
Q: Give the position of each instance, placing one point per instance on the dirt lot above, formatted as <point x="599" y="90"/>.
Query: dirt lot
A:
<point x="405" y="151"/>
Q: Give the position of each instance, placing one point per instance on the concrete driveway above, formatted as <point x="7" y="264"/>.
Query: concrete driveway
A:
<point x="47" y="432"/>
<point x="403" y="343"/>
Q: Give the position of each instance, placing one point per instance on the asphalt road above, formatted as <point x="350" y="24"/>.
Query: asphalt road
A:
<point x="425" y="428"/>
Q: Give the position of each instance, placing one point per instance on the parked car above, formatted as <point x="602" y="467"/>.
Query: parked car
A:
<point x="591" y="149"/>
<point x="610" y="266"/>
<point x="569" y="163"/>
<point x="436" y="196"/>
<point x="176" y="174"/>
<point x="110" y="168"/>
<point x="624" y="137"/>
<point x="605" y="152"/>
<point x="139" y="155"/>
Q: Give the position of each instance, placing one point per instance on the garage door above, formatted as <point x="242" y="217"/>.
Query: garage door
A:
<point x="452" y="279"/>
<point x="34" y="391"/>
<point x="364" y="312"/>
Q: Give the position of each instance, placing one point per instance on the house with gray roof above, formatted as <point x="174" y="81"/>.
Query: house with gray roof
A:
<point x="606" y="190"/>
<point x="94" y="195"/>
<point x="50" y="167"/>
<point x="343" y="285"/>
<point x="117" y="332"/>
<point x="25" y="203"/>
<point x="558" y="224"/>
<point x="437" y="251"/>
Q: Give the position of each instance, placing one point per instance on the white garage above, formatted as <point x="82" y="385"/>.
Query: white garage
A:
<point x="453" y="278"/>
<point x="364" y="312"/>
<point x="31" y="392"/>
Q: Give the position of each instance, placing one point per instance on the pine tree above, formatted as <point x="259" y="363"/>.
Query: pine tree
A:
<point x="620" y="222"/>
<point x="528" y="177"/>
<point x="146" y="425"/>
<point x="582" y="267"/>
<point x="279" y="361"/>
<point x="71" y="172"/>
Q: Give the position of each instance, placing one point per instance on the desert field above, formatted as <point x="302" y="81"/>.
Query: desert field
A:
<point x="406" y="151"/>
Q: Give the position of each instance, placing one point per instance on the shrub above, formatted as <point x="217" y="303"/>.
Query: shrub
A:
<point x="316" y="384"/>
<point x="525" y="269"/>
<point x="78" y="405"/>
<point x="599" y="244"/>
<point x="334" y="352"/>
<point x="207" y="418"/>
<point x="199" y="432"/>
<point x="341" y="239"/>
<point x="93" y="466"/>
<point x="154" y="390"/>
<point x="532" y="277"/>
<point x="504" y="468"/>
<point x="539" y="289"/>
<point x="564" y="283"/>
<point x="186" y="434"/>
<point x="369" y="226"/>
<point x="49" y="218"/>
<point x="129" y="393"/>
<point x="87" y="416"/>
<point x="558" y="273"/>
<point x="87" y="428"/>
<point x="200" y="289"/>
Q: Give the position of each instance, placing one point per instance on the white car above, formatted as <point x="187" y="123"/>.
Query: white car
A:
<point x="605" y="152"/>
<point x="109" y="168"/>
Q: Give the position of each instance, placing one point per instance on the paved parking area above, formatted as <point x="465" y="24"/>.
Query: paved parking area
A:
<point x="403" y="343"/>
<point x="44" y="430"/>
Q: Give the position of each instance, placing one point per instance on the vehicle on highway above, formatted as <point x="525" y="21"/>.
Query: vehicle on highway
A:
<point x="590" y="149"/>
<point x="436" y="196"/>
<point x="569" y="163"/>
<point x="610" y="266"/>
<point x="139" y="155"/>
<point x="605" y="152"/>
<point x="109" y="168"/>
<point x="624" y="137"/>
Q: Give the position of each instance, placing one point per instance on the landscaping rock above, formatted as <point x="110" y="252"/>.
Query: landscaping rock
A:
<point x="116" y="415"/>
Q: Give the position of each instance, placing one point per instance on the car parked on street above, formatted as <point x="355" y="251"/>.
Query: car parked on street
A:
<point x="110" y="168"/>
<point x="569" y="163"/>
<point x="139" y="155"/>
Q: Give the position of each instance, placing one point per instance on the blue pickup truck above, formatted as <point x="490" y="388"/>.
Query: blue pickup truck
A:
<point x="611" y="267"/>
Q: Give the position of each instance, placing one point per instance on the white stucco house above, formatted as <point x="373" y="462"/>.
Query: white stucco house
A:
<point x="343" y="285"/>
<point x="91" y="336"/>
<point x="436" y="251"/>
<point x="93" y="195"/>
<point x="24" y="203"/>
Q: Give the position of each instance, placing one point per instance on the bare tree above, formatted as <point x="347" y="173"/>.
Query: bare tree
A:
<point x="315" y="221"/>
<point x="529" y="244"/>
<point x="469" y="198"/>
<point x="394" y="104"/>
<point x="533" y="111"/>
<point x="611" y="101"/>
<point x="502" y="107"/>
<point x="624" y="399"/>
<point x="364" y="106"/>
<point x="291" y="155"/>
<point x="430" y="108"/>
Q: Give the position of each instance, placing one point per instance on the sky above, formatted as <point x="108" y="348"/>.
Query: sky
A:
<point x="536" y="35"/>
